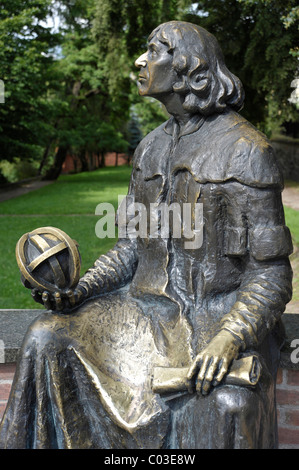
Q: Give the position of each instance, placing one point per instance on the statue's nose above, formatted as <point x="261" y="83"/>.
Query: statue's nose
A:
<point x="141" y="61"/>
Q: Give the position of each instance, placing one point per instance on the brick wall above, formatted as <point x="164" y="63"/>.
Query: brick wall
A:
<point x="6" y="377"/>
<point x="287" y="403"/>
<point x="73" y="164"/>
<point x="287" y="393"/>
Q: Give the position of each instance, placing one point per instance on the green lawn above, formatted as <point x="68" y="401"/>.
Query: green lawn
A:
<point x="68" y="204"/>
<point x="292" y="221"/>
<point x="72" y="194"/>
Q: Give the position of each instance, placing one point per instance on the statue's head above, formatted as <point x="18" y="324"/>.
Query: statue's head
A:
<point x="186" y="59"/>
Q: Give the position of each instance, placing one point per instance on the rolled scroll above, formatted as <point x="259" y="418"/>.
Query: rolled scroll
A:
<point x="244" y="371"/>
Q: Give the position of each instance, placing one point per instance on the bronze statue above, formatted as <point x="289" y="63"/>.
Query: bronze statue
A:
<point x="145" y="351"/>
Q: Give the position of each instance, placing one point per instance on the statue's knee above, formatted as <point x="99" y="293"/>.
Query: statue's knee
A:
<point x="235" y="400"/>
<point x="39" y="334"/>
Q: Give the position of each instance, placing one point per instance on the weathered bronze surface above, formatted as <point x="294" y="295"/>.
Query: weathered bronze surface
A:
<point x="244" y="371"/>
<point x="156" y="318"/>
<point x="49" y="260"/>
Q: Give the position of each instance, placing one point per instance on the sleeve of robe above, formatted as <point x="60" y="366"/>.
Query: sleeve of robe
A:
<point x="257" y="235"/>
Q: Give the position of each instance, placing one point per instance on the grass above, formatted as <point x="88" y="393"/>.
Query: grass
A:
<point x="72" y="194"/>
<point x="68" y="204"/>
<point x="291" y="184"/>
<point x="292" y="221"/>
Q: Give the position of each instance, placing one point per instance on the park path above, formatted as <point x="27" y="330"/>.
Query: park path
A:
<point x="290" y="197"/>
<point x="24" y="188"/>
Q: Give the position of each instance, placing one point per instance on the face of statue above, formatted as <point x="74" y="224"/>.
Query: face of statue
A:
<point x="156" y="77"/>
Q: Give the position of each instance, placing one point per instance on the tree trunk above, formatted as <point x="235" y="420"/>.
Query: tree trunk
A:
<point x="102" y="164"/>
<point x="83" y="160"/>
<point x="55" y="170"/>
<point x="116" y="158"/>
<point x="91" y="161"/>
<point x="46" y="152"/>
<point x="45" y="157"/>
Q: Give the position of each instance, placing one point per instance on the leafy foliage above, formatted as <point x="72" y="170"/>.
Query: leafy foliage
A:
<point x="26" y="70"/>
<point x="258" y="38"/>
<point x="73" y="88"/>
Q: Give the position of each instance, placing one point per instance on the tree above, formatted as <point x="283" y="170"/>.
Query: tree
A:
<point x="258" y="39"/>
<point x="85" y="91"/>
<point x="62" y="87"/>
<point x="26" y="70"/>
<point x="150" y="113"/>
<point x="134" y="133"/>
<point x="271" y="59"/>
<point x="121" y="29"/>
<point x="60" y="83"/>
<point x="109" y="139"/>
<point x="97" y="66"/>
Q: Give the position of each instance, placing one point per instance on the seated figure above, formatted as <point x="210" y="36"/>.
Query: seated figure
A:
<point x="85" y="374"/>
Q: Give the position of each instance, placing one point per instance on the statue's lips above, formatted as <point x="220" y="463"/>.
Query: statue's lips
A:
<point x="141" y="78"/>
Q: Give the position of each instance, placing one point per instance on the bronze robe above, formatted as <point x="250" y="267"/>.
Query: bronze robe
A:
<point x="84" y="380"/>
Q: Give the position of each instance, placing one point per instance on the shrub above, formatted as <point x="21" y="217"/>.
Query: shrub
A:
<point x="17" y="170"/>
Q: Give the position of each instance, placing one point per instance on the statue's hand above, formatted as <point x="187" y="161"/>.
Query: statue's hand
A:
<point x="212" y="363"/>
<point x="59" y="301"/>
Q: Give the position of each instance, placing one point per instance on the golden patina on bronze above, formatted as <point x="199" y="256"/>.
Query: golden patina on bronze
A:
<point x="45" y="245"/>
<point x="110" y="363"/>
<point x="243" y="371"/>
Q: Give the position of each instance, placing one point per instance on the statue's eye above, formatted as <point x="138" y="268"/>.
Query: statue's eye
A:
<point x="153" y="51"/>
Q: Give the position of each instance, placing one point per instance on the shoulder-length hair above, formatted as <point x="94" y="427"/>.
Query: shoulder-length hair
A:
<point x="203" y="78"/>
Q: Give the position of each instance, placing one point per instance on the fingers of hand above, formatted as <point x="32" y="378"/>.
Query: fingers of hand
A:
<point x="46" y="300"/>
<point x="189" y="386"/>
<point x="222" y="371"/>
<point x="71" y="297"/>
<point x="54" y="301"/>
<point x="58" y="301"/>
<point x="50" y="302"/>
<point x="36" y="296"/>
<point x="194" y="367"/>
<point x="206" y="374"/>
